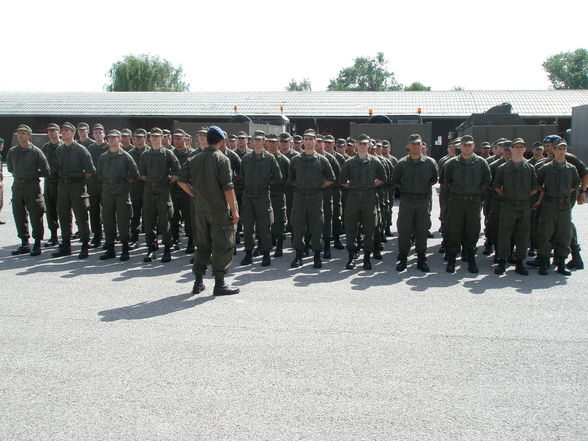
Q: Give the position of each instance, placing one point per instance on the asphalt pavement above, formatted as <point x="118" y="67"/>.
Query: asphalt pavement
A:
<point x="95" y="350"/>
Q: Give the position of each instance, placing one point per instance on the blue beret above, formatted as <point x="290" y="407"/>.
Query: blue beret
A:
<point x="551" y="138"/>
<point x="217" y="130"/>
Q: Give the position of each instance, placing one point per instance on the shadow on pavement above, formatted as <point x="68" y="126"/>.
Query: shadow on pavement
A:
<point x="145" y="310"/>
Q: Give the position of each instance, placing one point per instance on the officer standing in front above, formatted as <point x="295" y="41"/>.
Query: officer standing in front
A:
<point x="27" y="163"/>
<point x="361" y="175"/>
<point x="466" y="176"/>
<point x="75" y="166"/>
<point x="414" y="175"/>
<point x="159" y="168"/>
<point x="207" y="178"/>
<point x="116" y="169"/>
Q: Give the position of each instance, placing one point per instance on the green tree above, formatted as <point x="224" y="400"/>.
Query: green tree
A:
<point x="366" y="74"/>
<point x="418" y="87"/>
<point x="139" y="73"/>
<point x="568" y="70"/>
<point x="302" y="86"/>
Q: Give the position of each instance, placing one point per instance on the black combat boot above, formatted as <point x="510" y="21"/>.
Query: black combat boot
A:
<point x="501" y="268"/>
<point x="442" y="248"/>
<point x="532" y="252"/>
<point x="450" y="263"/>
<point x="561" y="266"/>
<point x="337" y="243"/>
<point x="64" y="249"/>
<point x="52" y="240"/>
<point x="24" y="248"/>
<point x="248" y="259"/>
<point x="388" y="232"/>
<point x="96" y="240"/>
<point x="198" y="285"/>
<point x="511" y="257"/>
<point x="576" y="261"/>
<point x="317" y="259"/>
<point x="190" y="246"/>
<point x="124" y="255"/>
<point x="279" y="248"/>
<point x="265" y="260"/>
<point x="166" y="257"/>
<point x="543" y="265"/>
<point x="327" y="249"/>
<point x="536" y="262"/>
<point x="401" y="265"/>
<point x="109" y="254"/>
<point x="36" y="250"/>
<point x="488" y="248"/>
<point x="176" y="244"/>
<point x="221" y="288"/>
<point x="472" y="266"/>
<point x="134" y="241"/>
<point x="520" y="268"/>
<point x="465" y="256"/>
<point x="84" y="251"/>
<point x="367" y="263"/>
<point x="422" y="263"/>
<point x="297" y="260"/>
<point x="306" y="252"/>
<point x="350" y="261"/>
<point x="150" y="255"/>
<point x="377" y="255"/>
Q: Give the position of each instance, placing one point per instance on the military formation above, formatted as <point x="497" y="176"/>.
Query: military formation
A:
<point x="317" y="189"/>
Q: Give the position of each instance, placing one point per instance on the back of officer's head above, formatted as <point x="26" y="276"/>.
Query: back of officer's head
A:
<point x="214" y="135"/>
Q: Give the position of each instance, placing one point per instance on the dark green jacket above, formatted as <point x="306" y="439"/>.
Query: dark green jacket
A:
<point x="158" y="166"/>
<point x="27" y="162"/>
<point x="50" y="151"/>
<point x="516" y="181"/>
<point x="116" y="168"/>
<point x="466" y="177"/>
<point x="361" y="174"/>
<point x="308" y="172"/>
<point x="558" y="180"/>
<point x="415" y="176"/>
<point x="73" y="161"/>
<point x="258" y="171"/>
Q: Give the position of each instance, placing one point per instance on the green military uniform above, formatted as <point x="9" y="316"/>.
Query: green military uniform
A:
<point x="338" y="200"/>
<point x="328" y="209"/>
<point x="50" y="190"/>
<point x="516" y="180"/>
<point x="137" y="189"/>
<point x="27" y="165"/>
<point x="116" y="170"/>
<point x="493" y="202"/>
<point x="289" y="191"/>
<point x="95" y="192"/>
<point x="88" y="141"/>
<point x="443" y="195"/>
<point x="466" y="179"/>
<point x="73" y="162"/>
<point x="308" y="174"/>
<point x="278" y="200"/>
<point x="360" y="175"/>
<point x="559" y="182"/>
<point x="157" y="166"/>
<point x="414" y="178"/>
<point x="257" y="172"/>
<point x="182" y="204"/>
<point x="209" y="173"/>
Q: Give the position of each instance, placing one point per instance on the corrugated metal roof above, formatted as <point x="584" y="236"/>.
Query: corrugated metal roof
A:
<point x="527" y="103"/>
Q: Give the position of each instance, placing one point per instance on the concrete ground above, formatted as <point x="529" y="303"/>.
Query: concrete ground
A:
<point x="97" y="350"/>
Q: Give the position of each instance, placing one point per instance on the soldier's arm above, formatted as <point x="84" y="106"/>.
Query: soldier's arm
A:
<point x="174" y="167"/>
<point x="486" y="176"/>
<point x="276" y="172"/>
<point x="327" y="173"/>
<point x="291" y="172"/>
<point x="9" y="161"/>
<point x="42" y="164"/>
<point x="397" y="175"/>
<point x="184" y="179"/>
<point x="132" y="170"/>
<point x="87" y="162"/>
<point x="534" y="184"/>
<point x="435" y="177"/>
<point x="380" y="174"/>
<point x="498" y="182"/>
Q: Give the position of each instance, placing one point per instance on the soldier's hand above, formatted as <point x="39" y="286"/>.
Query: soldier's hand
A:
<point x="581" y="198"/>
<point x="235" y="218"/>
<point x="173" y="178"/>
<point x="536" y="206"/>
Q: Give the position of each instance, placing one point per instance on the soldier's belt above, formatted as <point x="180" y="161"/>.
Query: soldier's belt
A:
<point x="467" y="197"/>
<point x="25" y="180"/>
<point x="367" y="192"/>
<point x="517" y="203"/>
<point x="256" y="191"/>
<point x="71" y="180"/>
<point x="308" y="191"/>
<point x="415" y="196"/>
<point x="562" y="199"/>
<point x="115" y="181"/>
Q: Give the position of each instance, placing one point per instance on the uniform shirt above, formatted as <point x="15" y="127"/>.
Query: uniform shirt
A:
<point x="50" y="151"/>
<point x="182" y="156"/>
<point x="96" y="150"/>
<point x="259" y="170"/>
<point x="87" y="143"/>
<point x="116" y="168"/>
<point x="242" y="153"/>
<point x="291" y="154"/>
<point x="158" y="165"/>
<point x="415" y="176"/>
<point x="73" y="161"/>
<point x="516" y="180"/>
<point x="334" y="165"/>
<point x="361" y="174"/>
<point x="571" y="159"/>
<point x="27" y="162"/>
<point x="494" y="166"/>
<point x="235" y="165"/>
<point x="466" y="176"/>
<point x="309" y="172"/>
<point x="444" y="160"/>
<point x="558" y="179"/>
<point x="277" y="187"/>
<point x="209" y="174"/>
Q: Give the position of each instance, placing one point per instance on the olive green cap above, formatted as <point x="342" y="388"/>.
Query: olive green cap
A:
<point x="233" y="137"/>
<point x="559" y="142"/>
<point x="83" y="126"/>
<point x="537" y="146"/>
<point x="68" y="125"/>
<point x="351" y="141"/>
<point x="179" y="132"/>
<point x="456" y="141"/>
<point x="363" y="139"/>
<point x="297" y="138"/>
<point x="467" y="139"/>
<point x="499" y="141"/>
<point x="341" y="142"/>
<point x="507" y="144"/>
<point x="272" y="138"/>
<point x="329" y="138"/>
<point x="320" y="138"/>
<point x="114" y="133"/>
<point x="126" y="132"/>
<point x="156" y="131"/>
<point x="414" y="138"/>
<point x="378" y="142"/>
<point x="518" y="141"/>
<point x="53" y="126"/>
<point x="242" y="134"/>
<point x="204" y="130"/>
<point x="98" y="127"/>
<point x="24" y="127"/>
<point x="140" y="132"/>
<point x="310" y="132"/>
<point x="385" y="143"/>
<point x="284" y="137"/>
<point x="485" y="145"/>
<point x="259" y="134"/>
